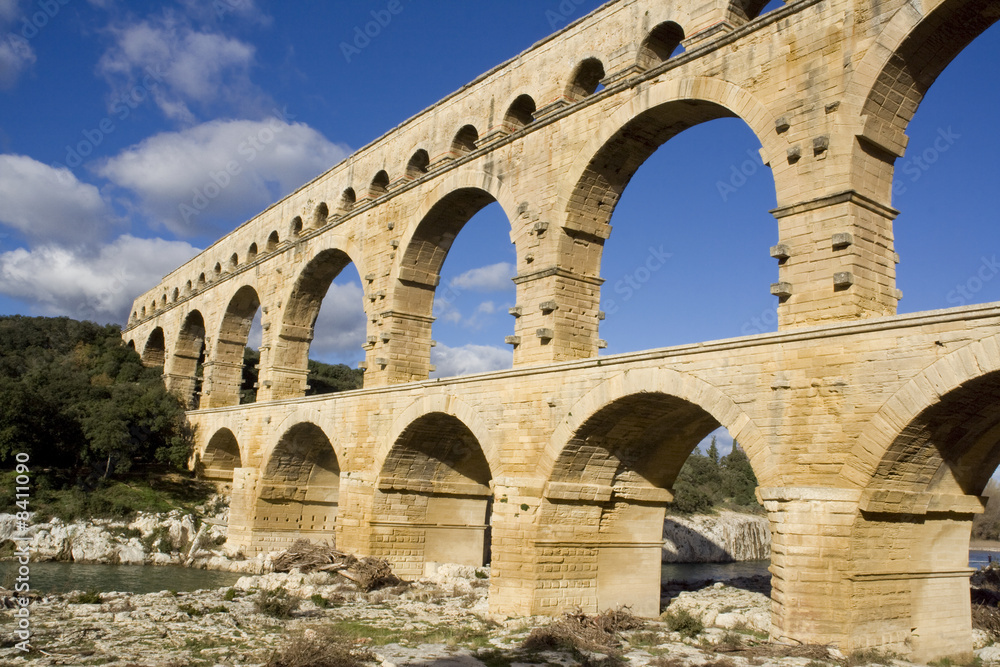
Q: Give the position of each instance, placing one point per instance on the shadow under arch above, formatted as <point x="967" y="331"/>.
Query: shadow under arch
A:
<point x="224" y="370"/>
<point x="921" y="465"/>
<point x="182" y="367"/>
<point x="286" y="373"/>
<point x="299" y="490"/>
<point x="890" y="82"/>
<point x="434" y="490"/>
<point x="220" y="458"/>
<point x="154" y="352"/>
<point x="610" y="466"/>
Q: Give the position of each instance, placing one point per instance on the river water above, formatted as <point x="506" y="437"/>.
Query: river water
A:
<point x="65" y="577"/>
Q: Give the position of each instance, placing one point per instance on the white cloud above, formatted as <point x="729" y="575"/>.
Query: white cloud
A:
<point x="341" y="328"/>
<point x="16" y="54"/>
<point x="50" y="204"/>
<point x="492" y="278"/>
<point x="192" y="66"/>
<point x="9" y="10"/>
<point x="469" y="359"/>
<point x="487" y="308"/>
<point x="221" y="10"/>
<point x="221" y="170"/>
<point x="98" y="285"/>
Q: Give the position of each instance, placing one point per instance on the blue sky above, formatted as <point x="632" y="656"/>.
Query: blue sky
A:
<point x="112" y="113"/>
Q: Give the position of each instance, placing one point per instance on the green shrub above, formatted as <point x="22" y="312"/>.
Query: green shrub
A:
<point x="319" y="601"/>
<point x="684" y="622"/>
<point x="230" y="595"/>
<point x="89" y="597"/>
<point x="276" y="603"/>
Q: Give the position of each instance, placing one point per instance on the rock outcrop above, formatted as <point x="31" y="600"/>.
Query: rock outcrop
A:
<point x="720" y="538"/>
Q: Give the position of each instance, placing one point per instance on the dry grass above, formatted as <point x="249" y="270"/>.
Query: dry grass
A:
<point x="368" y="573"/>
<point x="319" y="649"/>
<point x="576" y="631"/>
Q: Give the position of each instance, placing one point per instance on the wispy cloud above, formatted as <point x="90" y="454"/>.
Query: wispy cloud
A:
<point x="492" y="278"/>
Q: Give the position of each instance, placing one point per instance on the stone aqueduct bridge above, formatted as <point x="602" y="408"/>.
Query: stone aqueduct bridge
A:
<point x="872" y="435"/>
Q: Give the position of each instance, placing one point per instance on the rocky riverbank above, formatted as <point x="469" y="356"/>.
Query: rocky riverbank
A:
<point x="197" y="540"/>
<point x="172" y="538"/>
<point x="716" y="538"/>
<point x="441" y="620"/>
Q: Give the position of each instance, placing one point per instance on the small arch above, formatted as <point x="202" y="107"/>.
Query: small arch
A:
<point x="163" y="300"/>
<point x="144" y="311"/>
<point x="135" y="315"/>
<point x="586" y="79"/>
<point x="218" y="269"/>
<point x="131" y="345"/>
<point x="252" y="252"/>
<point x="189" y="287"/>
<point x="296" y="227"/>
<point x="234" y="261"/>
<point x="465" y="141"/>
<point x="176" y="295"/>
<point x="347" y="200"/>
<point x="152" y="307"/>
<point x="661" y="44"/>
<point x="520" y="113"/>
<point x="418" y="164"/>
<point x="380" y="185"/>
<point x="272" y="241"/>
<point x="201" y="280"/>
<point x="321" y="216"/>
<point x="221" y="458"/>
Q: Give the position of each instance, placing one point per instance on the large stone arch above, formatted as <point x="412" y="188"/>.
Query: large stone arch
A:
<point x="895" y="74"/>
<point x="920" y="466"/>
<point x="886" y="430"/>
<point x="433" y="493"/>
<point x="621" y="144"/>
<point x="670" y="383"/>
<point x="224" y="370"/>
<point x="286" y="370"/>
<point x="220" y="457"/>
<point x="424" y="246"/>
<point x="608" y="472"/>
<point x="298" y="490"/>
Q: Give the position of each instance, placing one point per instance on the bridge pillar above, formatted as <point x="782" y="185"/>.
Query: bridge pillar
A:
<point x="558" y="316"/>
<point x="223" y="380"/>
<point x="242" y="507"/>
<point x="810" y="563"/>
<point x="836" y="260"/>
<point x="185" y="387"/>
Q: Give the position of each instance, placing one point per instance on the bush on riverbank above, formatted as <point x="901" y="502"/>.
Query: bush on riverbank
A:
<point x="709" y="482"/>
<point x="154" y="489"/>
<point x="75" y="399"/>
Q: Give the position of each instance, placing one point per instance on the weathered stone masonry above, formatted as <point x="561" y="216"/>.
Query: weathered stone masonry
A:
<point x="872" y="434"/>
